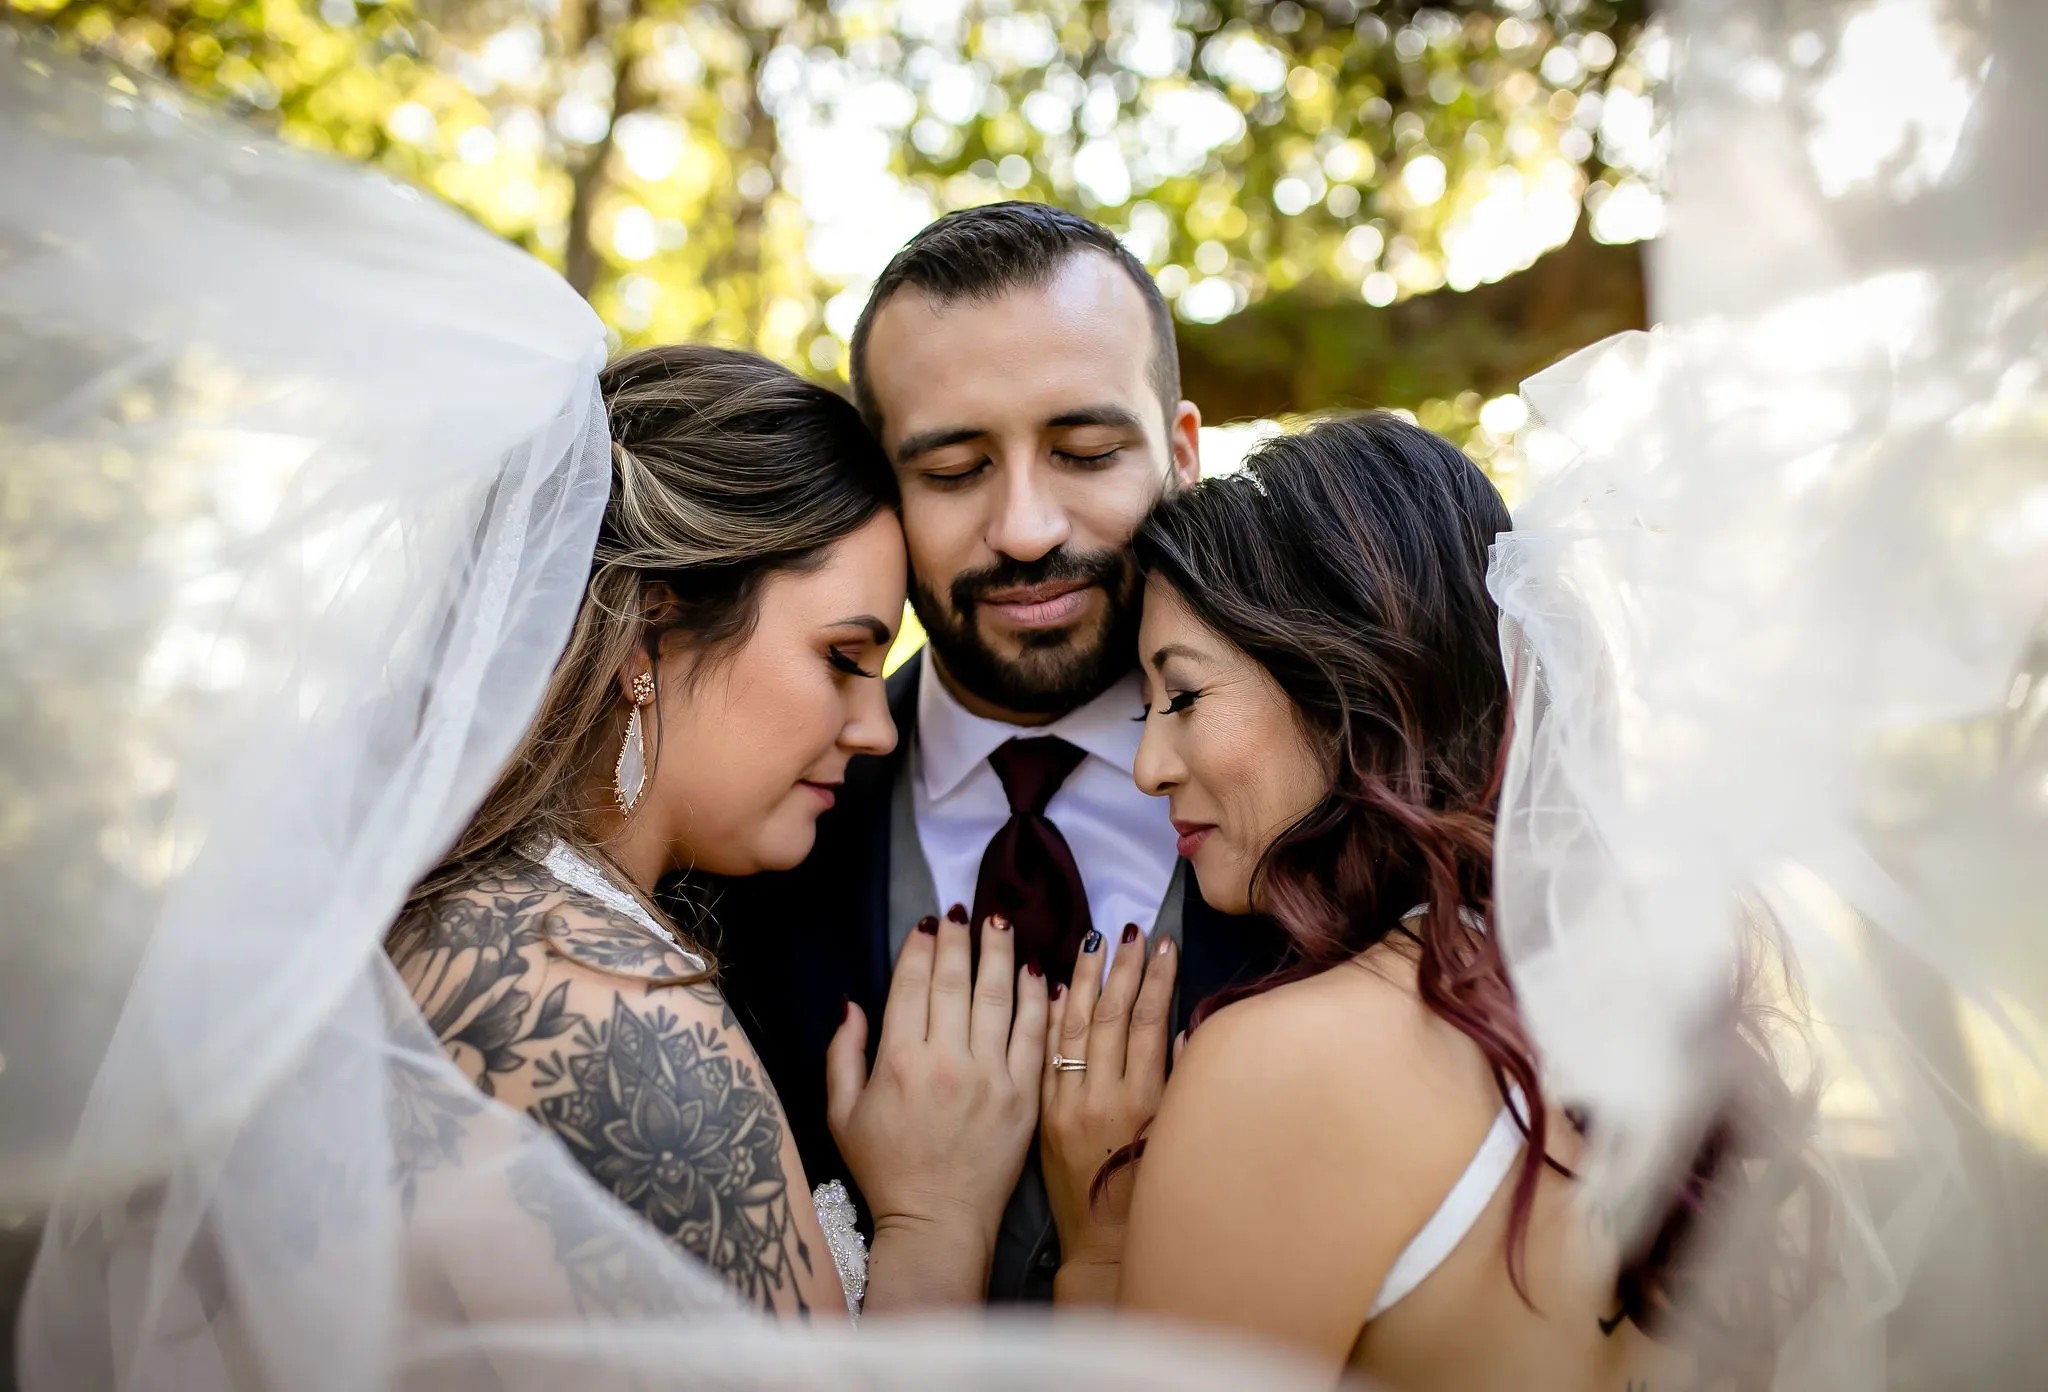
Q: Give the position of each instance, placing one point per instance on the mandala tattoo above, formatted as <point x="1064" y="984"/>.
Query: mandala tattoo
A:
<point x="678" y="1130"/>
<point x="656" y="1109"/>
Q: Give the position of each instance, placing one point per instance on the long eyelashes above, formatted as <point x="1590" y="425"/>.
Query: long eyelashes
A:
<point x="1175" y="704"/>
<point x="842" y="663"/>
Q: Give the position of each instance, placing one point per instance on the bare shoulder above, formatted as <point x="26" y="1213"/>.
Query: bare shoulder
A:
<point x="1302" y="1030"/>
<point x="1293" y="1154"/>
<point x="1349" y="1064"/>
<point x="474" y="960"/>
<point x="482" y="961"/>
<point x="1305" y="1135"/>
<point x="594" y="935"/>
<point x="559" y="1006"/>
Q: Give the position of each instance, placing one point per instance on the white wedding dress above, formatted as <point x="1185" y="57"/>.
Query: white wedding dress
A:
<point x="303" y="476"/>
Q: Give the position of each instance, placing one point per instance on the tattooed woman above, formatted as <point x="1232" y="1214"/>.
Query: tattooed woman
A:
<point x="1326" y="717"/>
<point x="721" y="671"/>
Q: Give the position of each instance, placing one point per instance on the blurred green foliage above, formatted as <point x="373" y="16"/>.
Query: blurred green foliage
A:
<point x="1304" y="178"/>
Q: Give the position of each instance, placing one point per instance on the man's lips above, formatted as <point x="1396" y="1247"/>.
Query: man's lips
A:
<point x="1192" y="835"/>
<point x="1038" y="606"/>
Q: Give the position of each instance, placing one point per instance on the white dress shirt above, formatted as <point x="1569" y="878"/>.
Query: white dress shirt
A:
<point x="1123" y="843"/>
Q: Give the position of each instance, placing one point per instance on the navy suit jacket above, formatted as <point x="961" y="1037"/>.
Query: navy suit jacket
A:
<point x="795" y="946"/>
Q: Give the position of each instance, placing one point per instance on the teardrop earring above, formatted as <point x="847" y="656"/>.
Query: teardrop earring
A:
<point x="629" y="775"/>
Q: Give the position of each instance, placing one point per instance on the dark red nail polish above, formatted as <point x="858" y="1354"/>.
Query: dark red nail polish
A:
<point x="958" y="913"/>
<point x="927" y="924"/>
<point x="999" y="923"/>
<point x="1033" y="967"/>
<point x="1059" y="988"/>
<point x="845" y="1009"/>
<point x="1130" y="932"/>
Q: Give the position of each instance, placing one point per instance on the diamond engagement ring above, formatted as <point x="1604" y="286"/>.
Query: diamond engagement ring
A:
<point x="1062" y="1064"/>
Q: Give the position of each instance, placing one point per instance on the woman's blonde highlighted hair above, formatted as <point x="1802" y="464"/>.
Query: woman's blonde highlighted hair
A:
<point x="726" y="469"/>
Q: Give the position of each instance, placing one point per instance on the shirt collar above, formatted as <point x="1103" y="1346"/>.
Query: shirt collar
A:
<point x="952" y="741"/>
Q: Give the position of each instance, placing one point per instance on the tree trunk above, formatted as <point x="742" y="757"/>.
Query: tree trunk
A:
<point x="581" y="263"/>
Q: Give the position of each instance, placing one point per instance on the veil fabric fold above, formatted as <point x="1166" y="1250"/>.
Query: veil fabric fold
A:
<point x="304" y="478"/>
<point x="1774" y="616"/>
<point x="303" y="475"/>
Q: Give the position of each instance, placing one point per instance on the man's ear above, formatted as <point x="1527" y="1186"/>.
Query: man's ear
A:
<point x="1185" y="439"/>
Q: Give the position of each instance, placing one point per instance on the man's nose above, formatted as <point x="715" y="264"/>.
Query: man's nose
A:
<point x="1028" y="521"/>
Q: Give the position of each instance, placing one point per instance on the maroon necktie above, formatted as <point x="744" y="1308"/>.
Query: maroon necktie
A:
<point x="1027" y="873"/>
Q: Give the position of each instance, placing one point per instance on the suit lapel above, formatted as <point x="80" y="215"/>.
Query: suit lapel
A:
<point x="890" y="772"/>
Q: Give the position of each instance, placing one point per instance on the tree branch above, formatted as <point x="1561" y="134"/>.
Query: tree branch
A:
<point x="1313" y="349"/>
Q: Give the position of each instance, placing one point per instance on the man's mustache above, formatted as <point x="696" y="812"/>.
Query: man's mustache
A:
<point x="1104" y="568"/>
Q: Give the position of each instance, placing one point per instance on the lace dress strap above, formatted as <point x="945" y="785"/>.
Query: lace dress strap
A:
<point x="849" y="1250"/>
<point x="573" y="870"/>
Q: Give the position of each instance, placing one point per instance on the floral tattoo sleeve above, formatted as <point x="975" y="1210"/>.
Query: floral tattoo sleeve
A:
<point x="556" y="1003"/>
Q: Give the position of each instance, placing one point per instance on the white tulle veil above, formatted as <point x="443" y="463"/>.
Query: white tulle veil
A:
<point x="304" y="476"/>
<point x="1774" y="617"/>
<point x="302" y="479"/>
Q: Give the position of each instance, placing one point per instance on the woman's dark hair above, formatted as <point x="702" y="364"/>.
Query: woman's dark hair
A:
<point x="726" y="470"/>
<point x="1349" y="560"/>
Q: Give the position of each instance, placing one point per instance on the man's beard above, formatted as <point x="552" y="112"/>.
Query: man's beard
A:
<point x="1058" y="669"/>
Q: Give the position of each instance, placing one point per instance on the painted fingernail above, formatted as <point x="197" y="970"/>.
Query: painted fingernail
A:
<point x="999" y="923"/>
<point x="1092" y="941"/>
<point x="1164" y="944"/>
<point x="1130" y="932"/>
<point x="1033" y="967"/>
<point x="845" y="1009"/>
<point x="927" y="924"/>
<point x="958" y="914"/>
<point x="1059" y="988"/>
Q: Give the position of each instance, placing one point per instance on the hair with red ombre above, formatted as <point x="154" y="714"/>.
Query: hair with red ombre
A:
<point x="1350" y="561"/>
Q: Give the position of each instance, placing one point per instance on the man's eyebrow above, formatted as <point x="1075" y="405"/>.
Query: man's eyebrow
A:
<point x="912" y="446"/>
<point x="1114" y="416"/>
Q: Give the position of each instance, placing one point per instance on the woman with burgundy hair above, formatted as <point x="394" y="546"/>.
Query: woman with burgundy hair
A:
<point x="1355" y="1158"/>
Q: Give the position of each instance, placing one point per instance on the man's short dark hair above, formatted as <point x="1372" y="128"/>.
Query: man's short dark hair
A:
<point x="981" y="253"/>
